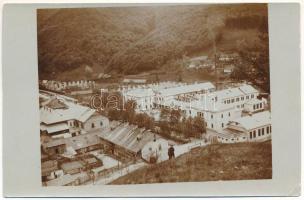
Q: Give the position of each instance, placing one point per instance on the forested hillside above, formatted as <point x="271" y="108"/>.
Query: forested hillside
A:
<point x="137" y="39"/>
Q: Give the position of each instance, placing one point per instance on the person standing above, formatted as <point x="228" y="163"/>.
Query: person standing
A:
<point x="171" y="152"/>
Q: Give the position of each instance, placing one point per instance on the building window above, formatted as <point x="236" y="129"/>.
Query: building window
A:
<point x="263" y="131"/>
<point x="259" y="132"/>
<point x="237" y="99"/>
<point x="270" y="129"/>
<point x="211" y="125"/>
<point x="261" y="105"/>
<point x="250" y="135"/>
<point x="229" y="114"/>
<point x="224" y="102"/>
<point x="93" y="125"/>
<point x="247" y="97"/>
<point x="101" y="123"/>
<point x="222" y="125"/>
<point x="232" y="100"/>
<point x="82" y="126"/>
<point x="228" y="101"/>
<point x="267" y="130"/>
<point x="242" y="98"/>
<point x="254" y="134"/>
<point x="252" y="96"/>
<point x="222" y="115"/>
<point x="253" y="107"/>
<point x="211" y="116"/>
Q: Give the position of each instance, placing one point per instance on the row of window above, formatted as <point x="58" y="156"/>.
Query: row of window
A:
<point x="232" y="139"/>
<point x="238" y="99"/>
<point x="93" y="125"/>
<point x="202" y="115"/>
<point x="213" y="126"/>
<point x="80" y="125"/>
<point x="260" y="132"/>
<point x="257" y="106"/>
<point x="75" y="124"/>
<point x="242" y="106"/>
<point x="222" y="115"/>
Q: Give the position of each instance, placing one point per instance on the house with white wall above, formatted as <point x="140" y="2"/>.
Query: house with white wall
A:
<point x="217" y="108"/>
<point x="257" y="126"/>
<point x="250" y="128"/>
<point x="62" y="119"/>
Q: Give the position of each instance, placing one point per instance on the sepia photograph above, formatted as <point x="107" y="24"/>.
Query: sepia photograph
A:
<point x="154" y="94"/>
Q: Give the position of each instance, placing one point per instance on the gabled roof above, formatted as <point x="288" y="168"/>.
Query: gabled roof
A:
<point x="70" y="111"/>
<point x="56" y="104"/>
<point x="186" y="89"/>
<point x="248" y="89"/>
<point x="253" y="121"/>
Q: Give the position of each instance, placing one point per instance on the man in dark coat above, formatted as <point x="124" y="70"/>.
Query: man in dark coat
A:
<point x="171" y="152"/>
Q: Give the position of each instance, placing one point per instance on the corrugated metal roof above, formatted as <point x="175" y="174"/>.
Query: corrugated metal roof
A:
<point x="129" y="137"/>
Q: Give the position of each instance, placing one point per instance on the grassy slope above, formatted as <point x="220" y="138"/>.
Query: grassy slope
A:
<point x="241" y="161"/>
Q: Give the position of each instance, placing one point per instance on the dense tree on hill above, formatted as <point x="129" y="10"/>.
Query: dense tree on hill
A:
<point x="132" y="40"/>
